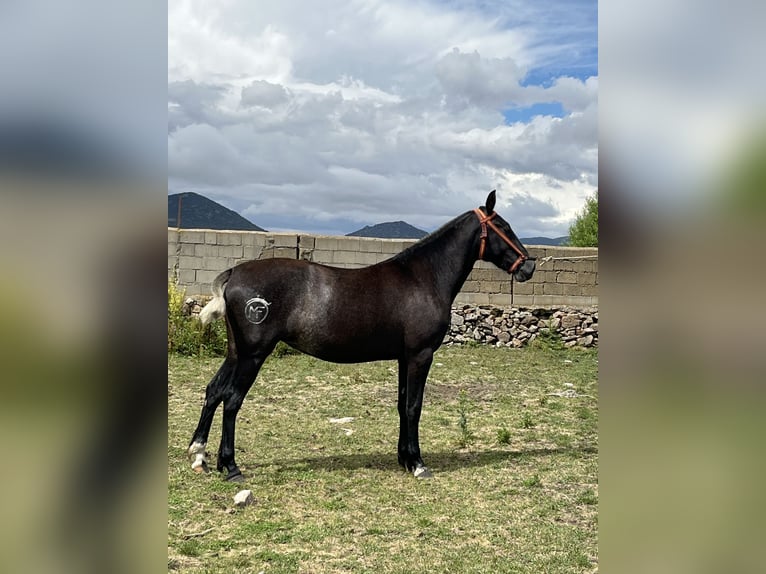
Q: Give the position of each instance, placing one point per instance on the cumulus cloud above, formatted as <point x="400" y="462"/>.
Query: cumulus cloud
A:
<point x="358" y="114"/>
<point x="264" y="94"/>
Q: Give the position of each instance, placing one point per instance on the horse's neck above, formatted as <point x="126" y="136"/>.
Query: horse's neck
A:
<point x="449" y="260"/>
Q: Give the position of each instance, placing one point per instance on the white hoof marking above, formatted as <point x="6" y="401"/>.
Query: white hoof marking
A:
<point x="422" y="472"/>
<point x="197" y="456"/>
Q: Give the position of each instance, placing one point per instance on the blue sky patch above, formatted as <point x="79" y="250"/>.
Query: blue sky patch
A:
<point x="546" y="76"/>
<point x="524" y="114"/>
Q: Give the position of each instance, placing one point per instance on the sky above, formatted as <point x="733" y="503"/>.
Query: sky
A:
<point x="325" y="117"/>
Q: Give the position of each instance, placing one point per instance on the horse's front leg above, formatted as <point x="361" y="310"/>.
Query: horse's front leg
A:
<point x="410" y="405"/>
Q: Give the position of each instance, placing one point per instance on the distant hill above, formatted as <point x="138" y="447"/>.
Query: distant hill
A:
<point x="389" y="230"/>
<point x="544" y="240"/>
<point x="199" y="212"/>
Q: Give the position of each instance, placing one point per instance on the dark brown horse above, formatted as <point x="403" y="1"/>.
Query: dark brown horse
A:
<point x="398" y="309"/>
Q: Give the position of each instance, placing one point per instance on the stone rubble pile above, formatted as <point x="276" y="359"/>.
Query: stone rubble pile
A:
<point x="499" y="326"/>
<point x="517" y="327"/>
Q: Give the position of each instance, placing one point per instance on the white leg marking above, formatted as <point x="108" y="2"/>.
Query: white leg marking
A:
<point x="197" y="456"/>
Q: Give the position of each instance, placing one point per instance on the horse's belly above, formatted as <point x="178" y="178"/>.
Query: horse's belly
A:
<point x="340" y="346"/>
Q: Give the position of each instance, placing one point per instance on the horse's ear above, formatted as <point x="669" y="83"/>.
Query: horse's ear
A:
<point x="490" y="205"/>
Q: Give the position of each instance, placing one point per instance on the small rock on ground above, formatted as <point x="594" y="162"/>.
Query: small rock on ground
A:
<point x="243" y="498"/>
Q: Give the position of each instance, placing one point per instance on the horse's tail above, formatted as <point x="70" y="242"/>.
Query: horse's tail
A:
<point x="216" y="308"/>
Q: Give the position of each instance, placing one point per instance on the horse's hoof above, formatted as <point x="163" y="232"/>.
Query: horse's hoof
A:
<point x="422" y="472"/>
<point x="235" y="476"/>
<point x="200" y="468"/>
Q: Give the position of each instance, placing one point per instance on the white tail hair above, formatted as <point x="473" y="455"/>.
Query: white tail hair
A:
<point x="216" y="308"/>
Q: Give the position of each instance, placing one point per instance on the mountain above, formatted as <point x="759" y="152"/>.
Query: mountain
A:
<point x="199" y="212"/>
<point x="389" y="230"/>
<point x="544" y="240"/>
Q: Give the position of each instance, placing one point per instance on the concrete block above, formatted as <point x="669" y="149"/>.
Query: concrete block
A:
<point x="586" y="278"/>
<point x="525" y="288"/>
<point x="326" y="243"/>
<point x="536" y="251"/>
<point x="349" y="243"/>
<point x="388" y="252"/>
<point x="230" y="251"/>
<point x="186" y="248"/>
<point x="364" y="258"/>
<point x="471" y="287"/>
<point x="563" y="264"/>
<point x="566" y="277"/>
<point x="343" y="257"/>
<point x="172" y="249"/>
<point x="500" y="299"/>
<point x="206" y="277"/>
<point x="306" y="241"/>
<point x="323" y="256"/>
<point x="483" y="274"/>
<point x="573" y="289"/>
<point x="472" y="298"/>
<point x="588" y="290"/>
<point x="205" y="250"/>
<point x="490" y="286"/>
<point x="215" y="263"/>
<point x="186" y="276"/>
<point x="558" y="300"/>
<point x="255" y="238"/>
<point x="187" y="262"/>
<point x="370" y="246"/>
<point x="544" y="277"/>
<point x="186" y="236"/>
<point x="522" y="300"/>
<point x="211" y="238"/>
<point x="228" y="238"/>
<point x="282" y="252"/>
<point x="197" y="289"/>
<point x="250" y="252"/>
<point x="284" y="240"/>
<point x="553" y="289"/>
<point x="581" y="266"/>
<point x="537" y="288"/>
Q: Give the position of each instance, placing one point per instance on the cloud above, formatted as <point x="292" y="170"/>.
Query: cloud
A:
<point x="264" y="94"/>
<point x="359" y="113"/>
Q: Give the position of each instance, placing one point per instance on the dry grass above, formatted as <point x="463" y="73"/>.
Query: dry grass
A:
<point x="330" y="500"/>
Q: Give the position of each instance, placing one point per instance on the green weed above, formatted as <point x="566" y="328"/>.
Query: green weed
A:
<point x="463" y="407"/>
<point x="186" y="335"/>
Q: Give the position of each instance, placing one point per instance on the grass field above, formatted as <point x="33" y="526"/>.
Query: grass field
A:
<point x="510" y="434"/>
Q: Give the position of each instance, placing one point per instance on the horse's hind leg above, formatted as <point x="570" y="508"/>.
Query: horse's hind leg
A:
<point x="214" y="394"/>
<point x="247" y="370"/>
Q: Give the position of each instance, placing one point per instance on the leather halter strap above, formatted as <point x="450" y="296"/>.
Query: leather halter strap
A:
<point x="486" y="220"/>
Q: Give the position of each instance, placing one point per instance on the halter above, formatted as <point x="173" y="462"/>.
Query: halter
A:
<point x="484" y="221"/>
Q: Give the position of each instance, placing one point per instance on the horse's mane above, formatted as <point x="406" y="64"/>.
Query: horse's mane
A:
<point x="431" y="238"/>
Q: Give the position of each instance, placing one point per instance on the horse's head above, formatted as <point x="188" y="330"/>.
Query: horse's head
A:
<point x="499" y="244"/>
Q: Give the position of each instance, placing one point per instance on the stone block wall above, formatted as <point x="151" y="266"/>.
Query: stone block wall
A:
<point x="564" y="275"/>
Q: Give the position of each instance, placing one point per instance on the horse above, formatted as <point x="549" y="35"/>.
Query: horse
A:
<point x="398" y="309"/>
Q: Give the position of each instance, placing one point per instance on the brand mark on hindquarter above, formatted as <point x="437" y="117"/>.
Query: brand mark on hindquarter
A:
<point x="256" y="310"/>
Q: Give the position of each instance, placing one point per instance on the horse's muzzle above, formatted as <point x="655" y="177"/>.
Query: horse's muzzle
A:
<point x="525" y="270"/>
